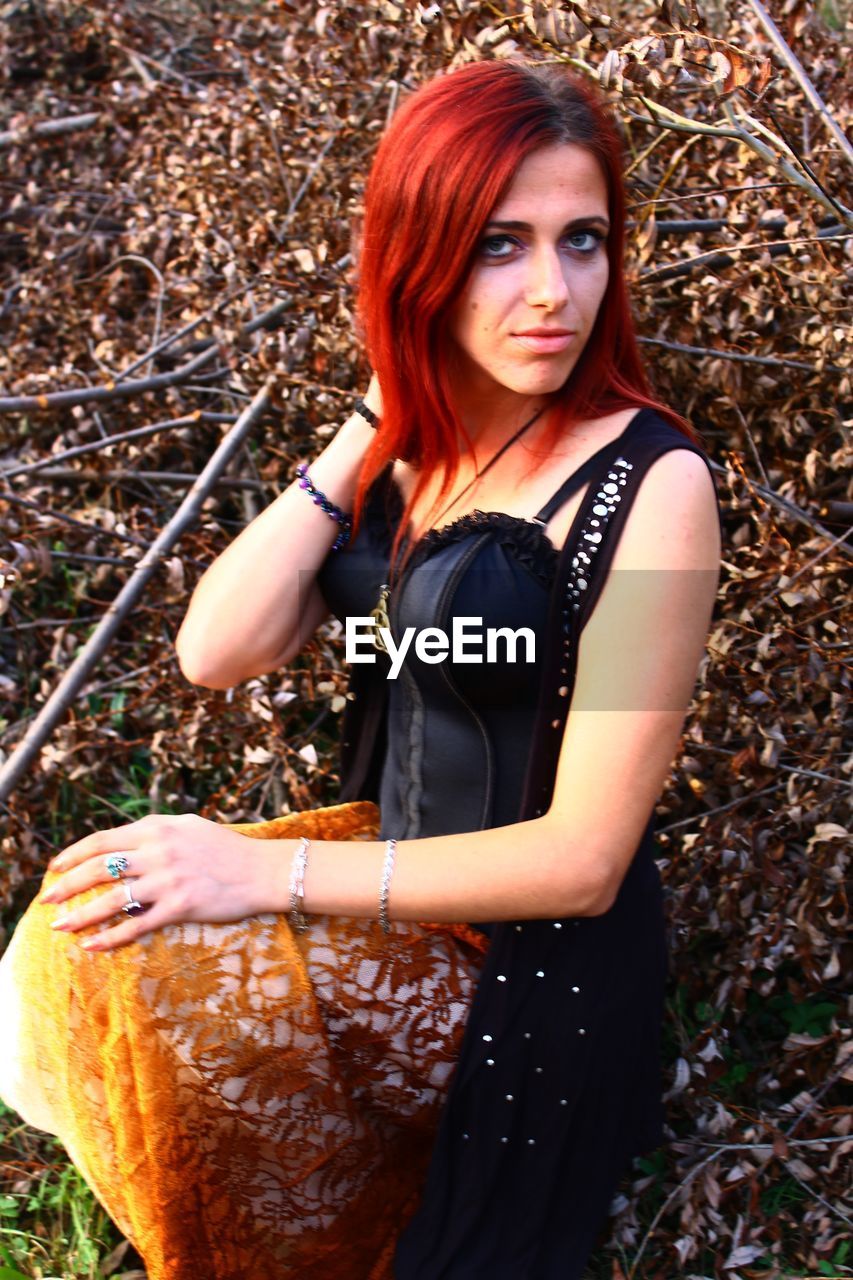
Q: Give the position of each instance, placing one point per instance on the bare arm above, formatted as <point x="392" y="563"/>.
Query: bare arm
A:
<point x="258" y="603"/>
<point x="637" y="664"/>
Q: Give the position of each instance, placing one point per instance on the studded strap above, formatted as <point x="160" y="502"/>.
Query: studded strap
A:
<point x="577" y="564"/>
<point x="581" y="573"/>
<point x="607" y="494"/>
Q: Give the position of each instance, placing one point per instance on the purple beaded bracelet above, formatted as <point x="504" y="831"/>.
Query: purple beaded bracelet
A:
<point x="331" y="509"/>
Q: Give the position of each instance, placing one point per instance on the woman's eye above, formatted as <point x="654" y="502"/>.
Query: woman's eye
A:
<point x="586" y="241"/>
<point x="497" y="246"/>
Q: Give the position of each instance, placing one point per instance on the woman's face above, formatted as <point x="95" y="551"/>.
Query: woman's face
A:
<point x="530" y="302"/>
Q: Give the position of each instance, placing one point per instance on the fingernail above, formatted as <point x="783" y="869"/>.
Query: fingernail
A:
<point x="61" y="922"/>
<point x="55" y="864"/>
<point x="90" y="944"/>
<point x="48" y="896"/>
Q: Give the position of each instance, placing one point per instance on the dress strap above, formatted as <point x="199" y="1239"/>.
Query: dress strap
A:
<point x="582" y="570"/>
<point x="585" y="471"/>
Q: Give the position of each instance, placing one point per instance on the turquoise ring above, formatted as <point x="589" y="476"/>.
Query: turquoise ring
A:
<point x="117" y="864"/>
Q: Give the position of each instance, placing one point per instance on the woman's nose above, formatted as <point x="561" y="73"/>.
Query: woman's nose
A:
<point x="546" y="282"/>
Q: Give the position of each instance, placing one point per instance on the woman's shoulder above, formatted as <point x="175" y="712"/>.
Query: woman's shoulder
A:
<point x="675" y="492"/>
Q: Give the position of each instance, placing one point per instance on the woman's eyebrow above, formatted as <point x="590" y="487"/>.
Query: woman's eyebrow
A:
<point x="577" y="224"/>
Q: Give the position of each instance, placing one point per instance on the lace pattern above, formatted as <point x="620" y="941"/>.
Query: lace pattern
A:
<point x="244" y="1100"/>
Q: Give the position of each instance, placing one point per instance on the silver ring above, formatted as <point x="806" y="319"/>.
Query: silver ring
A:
<point x="131" y="907"/>
<point x="116" y="864"/>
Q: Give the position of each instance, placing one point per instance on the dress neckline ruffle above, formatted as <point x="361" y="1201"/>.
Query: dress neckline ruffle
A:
<point x="526" y="540"/>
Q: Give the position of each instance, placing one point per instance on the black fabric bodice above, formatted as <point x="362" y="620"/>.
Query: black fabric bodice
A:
<point x="458" y="731"/>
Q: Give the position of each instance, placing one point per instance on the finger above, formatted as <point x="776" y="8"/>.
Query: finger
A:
<point x="130" y="930"/>
<point x="88" y="874"/>
<point x="110" y="840"/>
<point x="105" y="905"/>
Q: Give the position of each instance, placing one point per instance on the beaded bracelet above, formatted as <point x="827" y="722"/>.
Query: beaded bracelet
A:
<point x="337" y="513"/>
<point x="387" y="869"/>
<point x="297" y="887"/>
<point x="365" y="412"/>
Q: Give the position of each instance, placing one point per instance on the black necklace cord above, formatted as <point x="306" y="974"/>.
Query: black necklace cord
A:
<point x="381" y="611"/>
<point x="495" y="458"/>
<point x="506" y="445"/>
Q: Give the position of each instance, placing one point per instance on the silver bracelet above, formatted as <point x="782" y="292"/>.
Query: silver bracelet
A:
<point x="387" y="869"/>
<point x="297" y="888"/>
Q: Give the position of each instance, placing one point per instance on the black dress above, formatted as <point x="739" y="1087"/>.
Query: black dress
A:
<point x="558" y="1083"/>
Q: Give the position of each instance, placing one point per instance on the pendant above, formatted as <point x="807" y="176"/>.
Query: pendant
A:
<point x="380" y="618"/>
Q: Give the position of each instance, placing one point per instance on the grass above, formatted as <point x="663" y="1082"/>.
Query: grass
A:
<point x="51" y="1225"/>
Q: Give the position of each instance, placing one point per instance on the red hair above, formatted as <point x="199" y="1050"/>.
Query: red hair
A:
<point x="448" y="157"/>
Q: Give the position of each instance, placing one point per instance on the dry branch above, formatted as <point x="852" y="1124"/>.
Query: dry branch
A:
<point x="790" y="508"/>
<point x="94" y="446"/>
<point x="73" y="680"/>
<point x="798" y="71"/>
<point x="713" y="353"/>
<point x="716" y="259"/>
<point x="173" y="478"/>
<point x="113" y="391"/>
<point x="49" y="128"/>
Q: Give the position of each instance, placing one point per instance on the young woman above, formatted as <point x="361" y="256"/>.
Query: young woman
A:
<point x="430" y="1053"/>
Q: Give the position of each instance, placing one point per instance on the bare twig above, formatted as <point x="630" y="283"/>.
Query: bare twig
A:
<point x="809" y="564"/>
<point x="798" y="71"/>
<point x="772" y="155"/>
<point x="77" y="674"/>
<point x="281" y="231"/>
<point x="701" y="193"/>
<point x="845" y="1065"/>
<point x="714" y="259"/>
<point x="282" y="174"/>
<point x="778" y="141"/>
<point x="85" y="558"/>
<point x="49" y="128"/>
<point x="838" y="511"/>
<point x="113" y="391"/>
<point x="266" y="320"/>
<point x="93" y="530"/>
<point x="158" y="275"/>
<point x="721" y="808"/>
<point x="176" y="478"/>
<point x="94" y="446"/>
<point x="790" y="508"/>
<point x="714" y="353"/>
<point x="703" y="1164"/>
<point x="800" y="770"/>
<point x="136" y="60"/>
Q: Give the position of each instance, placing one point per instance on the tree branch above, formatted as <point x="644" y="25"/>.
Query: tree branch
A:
<point x="113" y="391"/>
<point x="798" y="71"/>
<point x="94" y="446"/>
<point x="172" y="478"/>
<point x="772" y="362"/>
<point x="73" y="680"/>
<point x="713" y="259"/>
<point x="49" y="128"/>
<point x="790" y="508"/>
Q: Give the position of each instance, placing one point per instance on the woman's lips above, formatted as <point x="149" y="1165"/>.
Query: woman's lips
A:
<point x="543" y="343"/>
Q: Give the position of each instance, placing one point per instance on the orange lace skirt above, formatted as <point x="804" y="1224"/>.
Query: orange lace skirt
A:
<point x="244" y="1100"/>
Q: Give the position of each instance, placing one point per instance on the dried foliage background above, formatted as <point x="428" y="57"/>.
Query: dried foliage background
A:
<point x="177" y="188"/>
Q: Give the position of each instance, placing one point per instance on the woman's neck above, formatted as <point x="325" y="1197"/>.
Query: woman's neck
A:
<point x="489" y="428"/>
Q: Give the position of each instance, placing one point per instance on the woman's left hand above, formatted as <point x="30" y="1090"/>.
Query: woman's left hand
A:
<point x="179" y="868"/>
